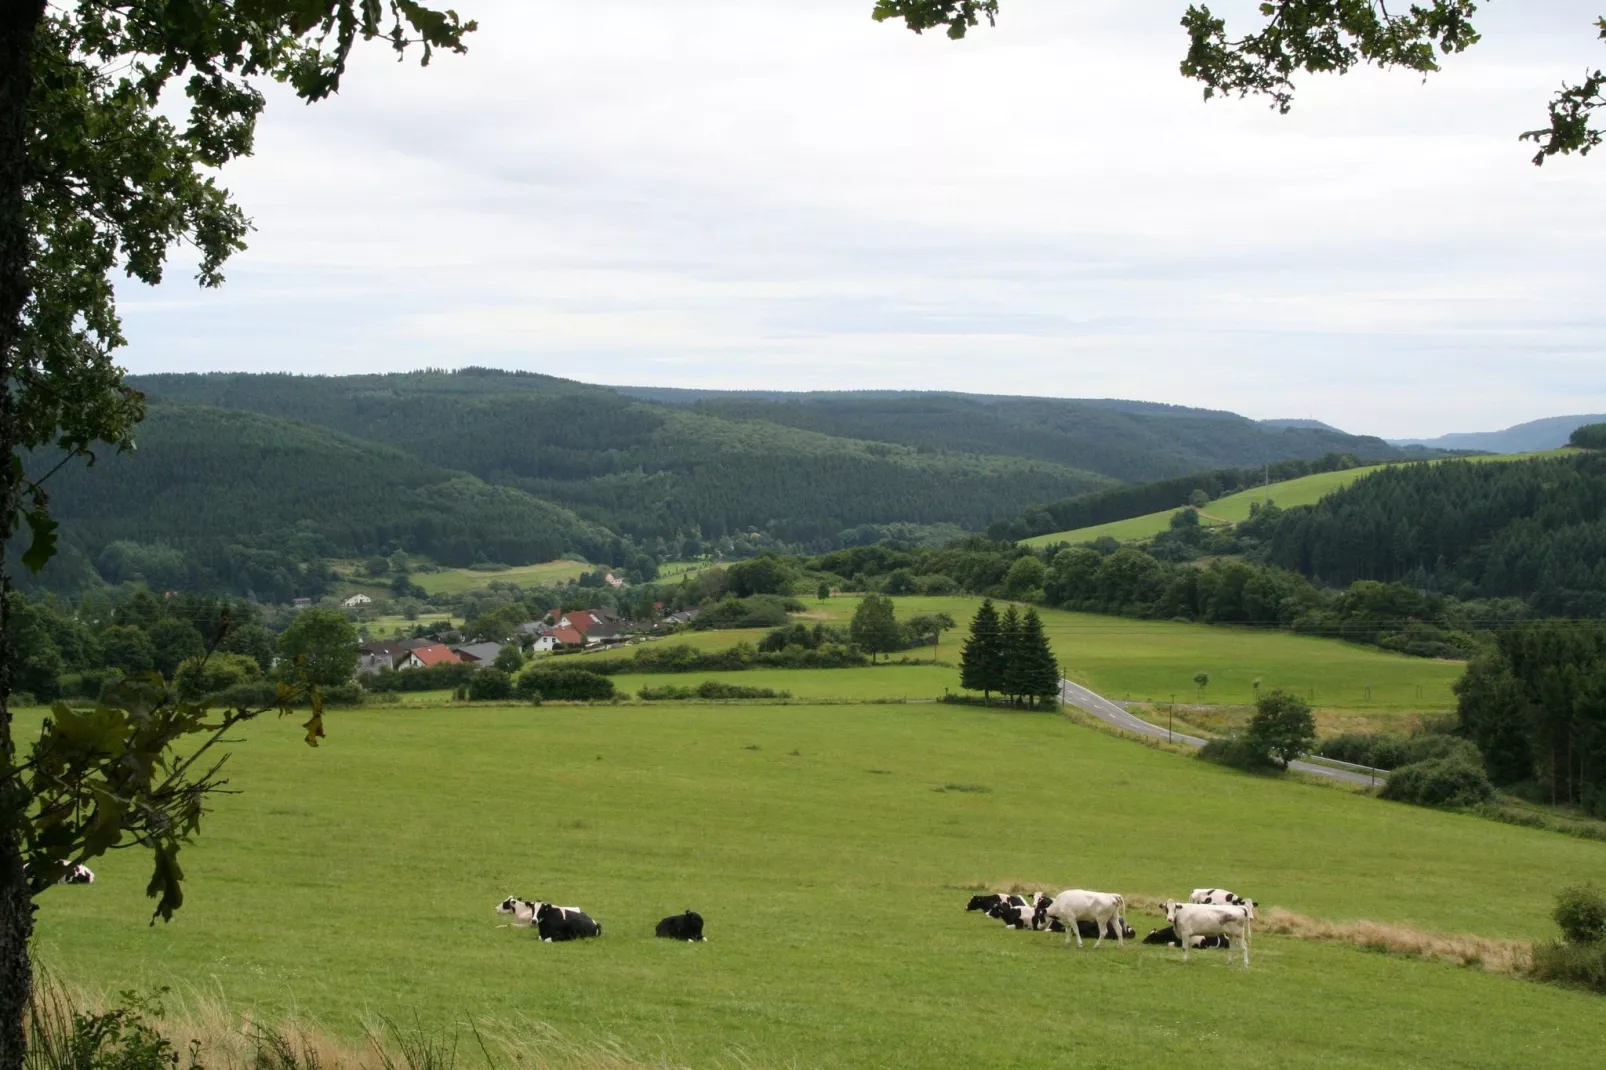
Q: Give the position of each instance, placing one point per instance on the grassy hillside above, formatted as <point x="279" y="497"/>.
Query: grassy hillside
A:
<point x="1306" y="490"/>
<point x="832" y="859"/>
<point x="1234" y="508"/>
<point x="458" y="580"/>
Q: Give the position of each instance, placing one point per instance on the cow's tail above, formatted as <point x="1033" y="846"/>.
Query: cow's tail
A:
<point x="1120" y="911"/>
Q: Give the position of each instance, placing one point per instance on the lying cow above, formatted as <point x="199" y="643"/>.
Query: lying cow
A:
<point x="77" y="874"/>
<point x="1191" y="920"/>
<point x="557" y="924"/>
<point x="985" y="903"/>
<point x="523" y="911"/>
<point x="1103" y="909"/>
<point x="1168" y="937"/>
<point x="687" y="927"/>
<point x="1222" y="898"/>
<point x="1015" y="911"/>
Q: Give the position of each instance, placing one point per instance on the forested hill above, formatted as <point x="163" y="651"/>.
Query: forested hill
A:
<point x="1128" y="441"/>
<point x="1533" y="529"/>
<point x="648" y="471"/>
<point x="219" y="500"/>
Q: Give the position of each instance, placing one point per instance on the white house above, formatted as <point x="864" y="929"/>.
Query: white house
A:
<point x="544" y="644"/>
<point x="356" y="600"/>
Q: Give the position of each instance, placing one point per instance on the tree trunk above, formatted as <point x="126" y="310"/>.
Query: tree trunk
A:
<point x="19" y="19"/>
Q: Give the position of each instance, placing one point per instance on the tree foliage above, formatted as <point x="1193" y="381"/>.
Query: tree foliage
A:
<point x="1589" y="437"/>
<point x="875" y="629"/>
<point x="1282" y="726"/>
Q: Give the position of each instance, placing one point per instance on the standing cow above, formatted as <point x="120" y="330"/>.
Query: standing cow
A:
<point x="1191" y="920"/>
<point x="1103" y="909"/>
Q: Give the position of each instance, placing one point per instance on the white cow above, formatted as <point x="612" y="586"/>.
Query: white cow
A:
<point x="1222" y="898"/>
<point x="1078" y="904"/>
<point x="1208" y="919"/>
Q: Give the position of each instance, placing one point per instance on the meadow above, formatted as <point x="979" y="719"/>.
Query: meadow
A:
<point x="831" y="849"/>
<point x="1153" y="660"/>
<point x="459" y="580"/>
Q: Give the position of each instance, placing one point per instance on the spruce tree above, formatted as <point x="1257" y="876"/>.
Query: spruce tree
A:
<point x="981" y="664"/>
<point x="1041" y="674"/>
<point x="1009" y="635"/>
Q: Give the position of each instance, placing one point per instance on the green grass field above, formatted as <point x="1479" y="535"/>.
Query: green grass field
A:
<point x="458" y="580"/>
<point x="359" y="879"/>
<point x="882" y="683"/>
<point x="1234" y="508"/>
<point x="1141" y="660"/>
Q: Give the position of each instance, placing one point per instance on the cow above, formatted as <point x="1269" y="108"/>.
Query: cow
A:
<point x="523" y="911"/>
<point x="556" y="924"/>
<point x="985" y="903"/>
<point x="687" y="927"/>
<point x="1168" y="937"/>
<point x="77" y="874"/>
<point x="1222" y="898"/>
<point x="1076" y="905"/>
<point x="1204" y="919"/>
<point x="1015" y="911"/>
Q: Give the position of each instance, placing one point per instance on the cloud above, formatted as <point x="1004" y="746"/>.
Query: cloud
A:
<point x="782" y="193"/>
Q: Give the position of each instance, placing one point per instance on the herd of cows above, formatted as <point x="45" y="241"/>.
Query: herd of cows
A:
<point x="1212" y="917"/>
<point x="554" y="924"/>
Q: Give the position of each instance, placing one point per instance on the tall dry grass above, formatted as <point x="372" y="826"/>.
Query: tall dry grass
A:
<point x="1511" y="957"/>
<point x="207" y="1031"/>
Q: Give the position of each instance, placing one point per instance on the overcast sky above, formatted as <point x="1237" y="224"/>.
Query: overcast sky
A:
<point x="783" y="194"/>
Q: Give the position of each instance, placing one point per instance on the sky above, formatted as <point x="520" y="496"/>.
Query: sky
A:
<point x="784" y="194"/>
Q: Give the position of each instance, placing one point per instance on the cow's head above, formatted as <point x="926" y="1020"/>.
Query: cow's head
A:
<point x="982" y="902"/>
<point x="1249" y="906"/>
<point x="1169" y="908"/>
<point x="510" y="905"/>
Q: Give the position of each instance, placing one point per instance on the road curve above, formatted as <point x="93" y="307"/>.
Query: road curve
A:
<point x="1111" y="714"/>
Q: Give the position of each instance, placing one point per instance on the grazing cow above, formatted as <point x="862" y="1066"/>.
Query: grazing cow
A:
<point x="557" y="924"/>
<point x="1076" y="905"/>
<point x="1168" y="937"/>
<point x="687" y="927"/>
<point x="1203" y="919"/>
<point x="1222" y="898"/>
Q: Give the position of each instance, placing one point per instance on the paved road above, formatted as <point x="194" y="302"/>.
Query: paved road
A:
<point x="1112" y="714"/>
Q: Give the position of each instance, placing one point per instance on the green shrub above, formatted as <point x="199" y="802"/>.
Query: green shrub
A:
<point x="435" y="678"/>
<point x="62" y="1037"/>
<point x="1238" y="754"/>
<point x="1455" y="780"/>
<point x="1581" y="913"/>
<point x="709" y="689"/>
<point x="1388" y="751"/>
<point x="560" y="683"/>
<point x="1282" y="728"/>
<point x="1576" y="964"/>
<point x="489" y="685"/>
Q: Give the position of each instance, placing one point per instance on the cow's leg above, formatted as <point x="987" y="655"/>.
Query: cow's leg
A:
<point x="1073" y="925"/>
<point x="1100" y="923"/>
<point x="1246" y="947"/>
<point x="1187" y="941"/>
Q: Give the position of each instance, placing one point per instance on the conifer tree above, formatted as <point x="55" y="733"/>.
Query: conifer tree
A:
<point x="981" y="664"/>
<point x="1014" y="674"/>
<point x="1041" y="670"/>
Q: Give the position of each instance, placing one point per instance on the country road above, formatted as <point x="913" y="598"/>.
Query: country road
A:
<point x="1112" y="714"/>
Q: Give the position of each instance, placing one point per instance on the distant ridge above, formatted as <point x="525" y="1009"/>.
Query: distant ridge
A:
<point x="1547" y="434"/>
<point x="1302" y="425"/>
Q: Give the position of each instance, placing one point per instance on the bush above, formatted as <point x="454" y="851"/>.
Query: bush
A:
<point x="1581" y="913"/>
<point x="1239" y="754"/>
<point x="489" y="685"/>
<point x="759" y="611"/>
<point x="1576" y="964"/>
<point x="435" y="678"/>
<point x="62" y="1037"/>
<point x="570" y="683"/>
<point x="1456" y="780"/>
<point x="1388" y="751"/>
<point x="709" y="689"/>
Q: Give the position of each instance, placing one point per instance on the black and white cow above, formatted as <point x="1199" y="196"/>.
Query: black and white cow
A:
<point x="77" y="874"/>
<point x="556" y="924"/>
<point x="1015" y="911"/>
<point x="1220" y="897"/>
<point x="687" y="927"/>
<point x="985" y="903"/>
<point x="1167" y="937"/>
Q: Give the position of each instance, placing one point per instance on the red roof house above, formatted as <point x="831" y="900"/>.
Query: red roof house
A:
<point x="424" y="657"/>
